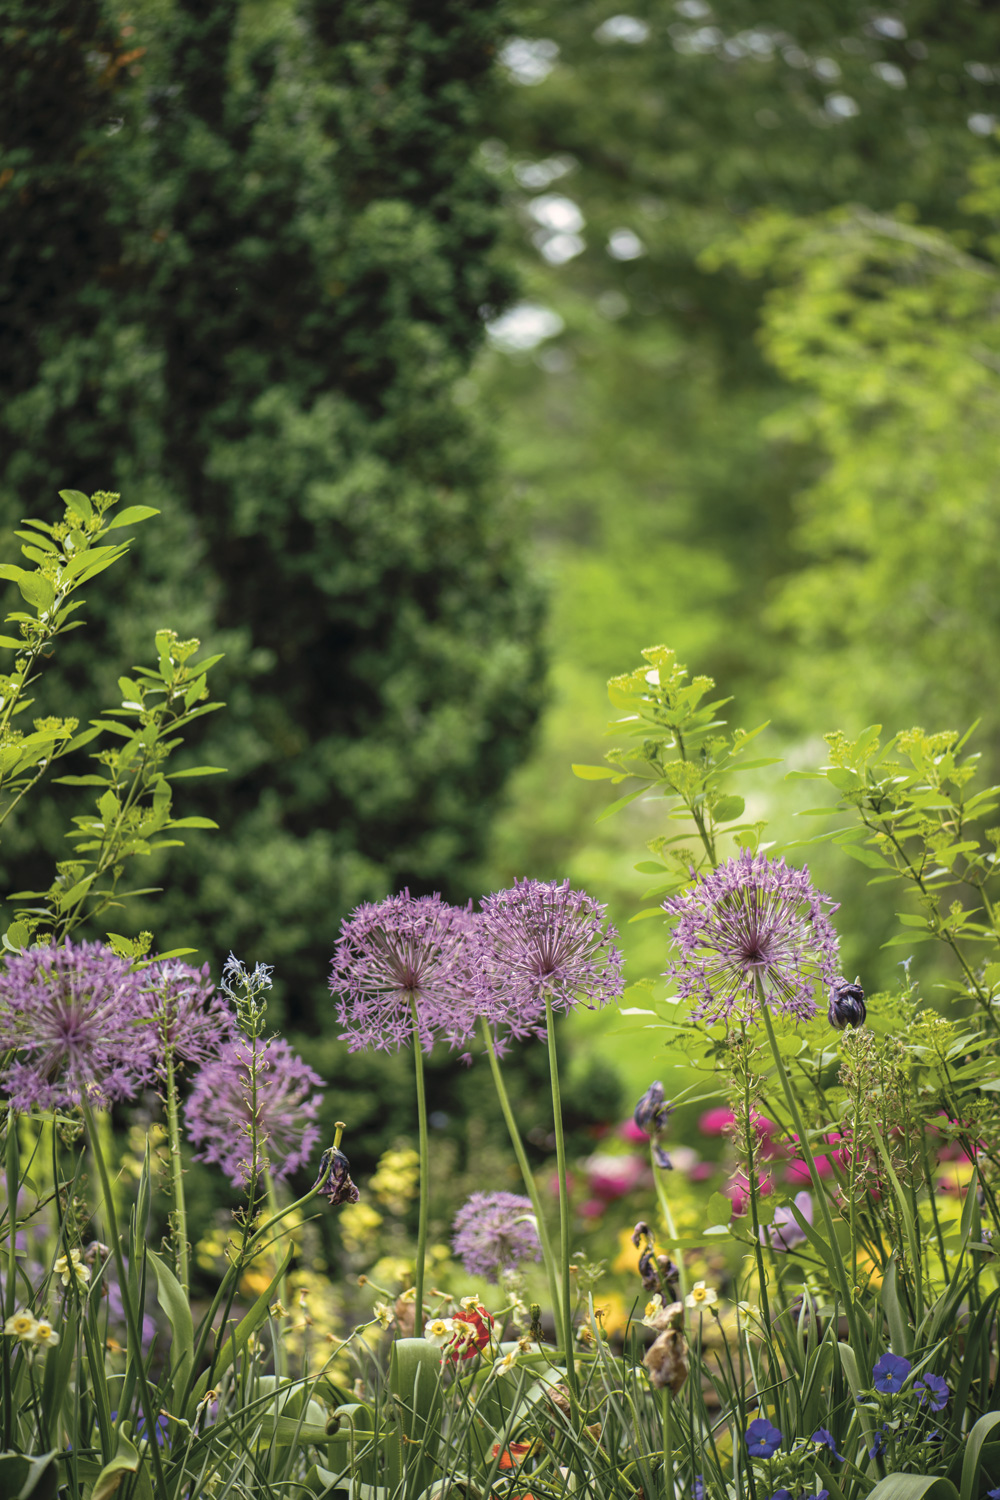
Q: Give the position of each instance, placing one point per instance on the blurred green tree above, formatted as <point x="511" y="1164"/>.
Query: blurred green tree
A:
<point x="247" y="256"/>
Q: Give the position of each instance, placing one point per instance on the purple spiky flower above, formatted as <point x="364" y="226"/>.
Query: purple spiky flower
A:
<point x="405" y="967"/>
<point x="72" y="1016"/>
<point x="545" y="939"/>
<point x="752" y="919"/>
<point x="493" y="1234"/>
<point x="185" y="1013"/>
<point x="218" y="1112"/>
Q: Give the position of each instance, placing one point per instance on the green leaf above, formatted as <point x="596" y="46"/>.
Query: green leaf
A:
<point x="866" y="856"/>
<point x="727" y="809"/>
<point x="78" y="500"/>
<point x="192" y="823"/>
<point x="131" y="516"/>
<point x="37" y="589"/>
<point x="621" y="802"/>
<point x="26" y="1478"/>
<point x="125" y="1462"/>
<point x="973" y="1451"/>
<point x="198" y="771"/>
<point x="238" y="1339"/>
<point x="10" y="644"/>
<point x="175" y="1303"/>
<point x="595" y="773"/>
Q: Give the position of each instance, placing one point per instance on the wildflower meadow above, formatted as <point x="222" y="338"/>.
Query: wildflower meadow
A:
<point x="813" y="1313"/>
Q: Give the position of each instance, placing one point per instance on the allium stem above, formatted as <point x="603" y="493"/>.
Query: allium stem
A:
<point x="425" y="1168"/>
<point x="528" y="1179"/>
<point x="668" y="1443"/>
<point x="180" y="1230"/>
<point x="274" y="1209"/>
<point x="859" y="1344"/>
<point x="135" y="1341"/>
<point x="668" y="1218"/>
<point x="567" y="1296"/>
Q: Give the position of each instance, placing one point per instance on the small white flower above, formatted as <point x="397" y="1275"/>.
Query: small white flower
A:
<point x="701" y="1295"/>
<point x="21" y="1326"/>
<point x="506" y="1362"/>
<point x="653" y="1307"/>
<point x="383" y="1314"/>
<point x="439" y="1331"/>
<point x="44" y="1334"/>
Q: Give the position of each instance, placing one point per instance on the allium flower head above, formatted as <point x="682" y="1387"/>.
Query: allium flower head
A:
<point x="218" y="1110"/>
<point x="73" y="1016"/>
<point x="543" y="939"/>
<point x="492" y="1233"/>
<point x="185" y="1013"/>
<point x="406" y="952"/>
<point x="752" y="919"/>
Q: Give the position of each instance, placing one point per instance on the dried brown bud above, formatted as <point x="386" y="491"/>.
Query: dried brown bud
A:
<point x="667" y="1359"/>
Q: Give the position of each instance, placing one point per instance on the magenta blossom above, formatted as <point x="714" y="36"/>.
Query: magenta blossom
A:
<point x="405" y="968"/>
<point x="219" y="1110"/>
<point x="185" y="1013"/>
<point x="754" y="923"/>
<point x="73" y="1019"/>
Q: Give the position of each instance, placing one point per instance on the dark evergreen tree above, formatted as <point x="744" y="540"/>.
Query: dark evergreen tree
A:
<point x="247" y="255"/>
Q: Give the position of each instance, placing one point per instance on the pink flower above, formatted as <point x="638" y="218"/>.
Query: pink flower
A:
<point x="716" y="1121"/>
<point x="797" y="1171"/>
<point x="629" y="1131"/>
<point x="612" y="1177"/>
<point x="737" y="1190"/>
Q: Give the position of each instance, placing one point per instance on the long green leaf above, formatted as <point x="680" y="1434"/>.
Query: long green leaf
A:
<point x="171" y="1297"/>
<point x="237" y="1342"/>
<point x="973" y="1452"/>
<point x="913" y="1487"/>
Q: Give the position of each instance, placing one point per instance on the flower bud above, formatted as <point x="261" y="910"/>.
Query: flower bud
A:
<point x="847" y="1005"/>
<point x="334" y="1180"/>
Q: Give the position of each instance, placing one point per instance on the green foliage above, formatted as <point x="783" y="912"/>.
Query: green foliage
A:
<point x="284" y="258"/>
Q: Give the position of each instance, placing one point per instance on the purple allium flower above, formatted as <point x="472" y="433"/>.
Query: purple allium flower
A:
<point x="334" y="1179"/>
<point x="785" y="1232"/>
<point x="824" y="1437"/>
<point x="544" y="939"/>
<point x="218" y="1110"/>
<point x="405" y="952"/>
<point x="890" y="1372"/>
<point x="184" y="1012"/>
<point x="847" y="1005"/>
<point x="752" y="918"/>
<point x="73" y="1016"/>
<point x="763" y="1440"/>
<point x="933" y="1391"/>
<point x="492" y="1233"/>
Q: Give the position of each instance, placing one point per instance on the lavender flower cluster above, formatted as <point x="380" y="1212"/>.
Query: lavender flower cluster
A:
<point x="415" y="968"/>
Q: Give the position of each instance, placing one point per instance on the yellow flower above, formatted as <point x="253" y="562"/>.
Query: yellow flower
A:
<point x="653" y="1307"/>
<point x="701" y="1296"/>
<point x="22" y="1326"/>
<point x="68" y="1268"/>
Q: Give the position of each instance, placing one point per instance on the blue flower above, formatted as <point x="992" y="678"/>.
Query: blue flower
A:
<point x="878" y="1445"/>
<point x="933" y="1392"/>
<point x="782" y="1495"/>
<point x="699" y="1487"/>
<point x="763" y="1440"/>
<point x="825" y="1438"/>
<point x="889" y="1373"/>
<point x="993" y="1494"/>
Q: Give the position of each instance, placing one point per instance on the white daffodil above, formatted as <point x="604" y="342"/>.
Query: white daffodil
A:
<point x="701" y="1296"/>
<point x="653" y="1308"/>
<point x="383" y="1314"/>
<point x="21" y="1326"/>
<point x="44" y="1334"/>
<point x="439" y="1331"/>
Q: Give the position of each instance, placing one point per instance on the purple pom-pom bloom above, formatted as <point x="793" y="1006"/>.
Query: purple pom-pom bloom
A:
<point x="763" y="1439"/>
<point x="889" y="1373"/>
<point x="185" y="1014"/>
<point x="218" y="1110"/>
<point x="492" y="1233"/>
<point x="752" y="919"/>
<point x="544" y="939"/>
<point x="406" y="954"/>
<point x="73" y="1015"/>
<point x="932" y="1391"/>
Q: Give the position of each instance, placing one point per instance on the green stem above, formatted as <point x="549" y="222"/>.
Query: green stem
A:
<point x="528" y="1179"/>
<point x="177" y="1179"/>
<point x="857" y="1343"/>
<point x="418" y="1067"/>
<point x="135" y="1342"/>
<point x="752" y="1188"/>
<point x="557" y="1119"/>
<point x="274" y="1209"/>
<point x="668" y="1219"/>
<point x="668" y="1443"/>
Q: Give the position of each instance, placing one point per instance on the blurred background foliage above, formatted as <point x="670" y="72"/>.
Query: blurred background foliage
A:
<point x="736" y="267"/>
